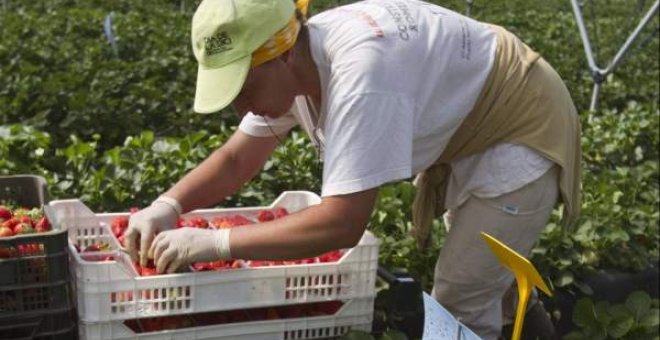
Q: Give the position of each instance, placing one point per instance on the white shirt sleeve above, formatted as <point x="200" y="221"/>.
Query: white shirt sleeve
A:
<point x="368" y="142"/>
<point x="258" y="126"/>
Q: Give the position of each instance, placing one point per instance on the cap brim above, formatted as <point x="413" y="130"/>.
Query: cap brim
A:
<point x="218" y="87"/>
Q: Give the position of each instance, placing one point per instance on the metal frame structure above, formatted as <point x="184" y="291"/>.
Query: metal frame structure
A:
<point x="600" y="74"/>
<point x="597" y="73"/>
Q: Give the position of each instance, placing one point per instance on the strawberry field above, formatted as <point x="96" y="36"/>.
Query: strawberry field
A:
<point x="97" y="98"/>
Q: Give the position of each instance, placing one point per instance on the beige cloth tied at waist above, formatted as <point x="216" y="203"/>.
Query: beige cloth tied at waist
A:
<point x="523" y="102"/>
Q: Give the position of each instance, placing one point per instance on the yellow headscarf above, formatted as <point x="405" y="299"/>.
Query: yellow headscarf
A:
<point x="282" y="41"/>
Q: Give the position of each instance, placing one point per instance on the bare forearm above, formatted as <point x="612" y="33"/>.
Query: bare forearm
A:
<point x="307" y="233"/>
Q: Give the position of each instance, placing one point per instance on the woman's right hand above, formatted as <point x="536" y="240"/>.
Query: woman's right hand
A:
<point x="145" y="224"/>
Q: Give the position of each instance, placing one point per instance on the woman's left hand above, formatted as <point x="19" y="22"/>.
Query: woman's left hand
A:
<point x="174" y="249"/>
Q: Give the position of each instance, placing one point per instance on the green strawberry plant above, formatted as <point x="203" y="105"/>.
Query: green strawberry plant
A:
<point x="637" y="318"/>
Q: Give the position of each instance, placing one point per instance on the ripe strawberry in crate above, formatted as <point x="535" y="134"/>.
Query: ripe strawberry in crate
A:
<point x="269" y="215"/>
<point x="199" y="222"/>
<point x="265" y="216"/>
<point x="24" y="228"/>
<point x="195" y="222"/>
<point x="216" y="265"/>
<point x="118" y="225"/>
<point x="23" y="221"/>
<point x="42" y="225"/>
<point x="280" y="212"/>
<point x="5" y="213"/>
<point x="95" y="248"/>
<point x="222" y="222"/>
<point x="148" y="270"/>
<point x="331" y="256"/>
<point x="6" y="231"/>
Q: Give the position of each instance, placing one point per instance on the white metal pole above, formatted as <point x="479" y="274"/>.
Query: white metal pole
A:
<point x="622" y="51"/>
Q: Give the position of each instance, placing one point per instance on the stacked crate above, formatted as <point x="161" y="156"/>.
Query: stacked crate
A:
<point x="115" y="302"/>
<point x="35" y="294"/>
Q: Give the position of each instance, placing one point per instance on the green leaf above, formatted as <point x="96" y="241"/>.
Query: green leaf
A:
<point x="565" y="279"/>
<point x="638" y="303"/>
<point x="619" y="311"/>
<point x="584" y="314"/>
<point x="603" y="315"/>
<point x="651" y="319"/>
<point x="620" y="326"/>
<point x="584" y="288"/>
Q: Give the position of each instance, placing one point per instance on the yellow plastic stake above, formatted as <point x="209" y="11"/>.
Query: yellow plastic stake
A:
<point x="526" y="275"/>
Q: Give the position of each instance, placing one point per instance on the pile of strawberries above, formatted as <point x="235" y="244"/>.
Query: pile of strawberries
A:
<point x="119" y="225"/>
<point x="21" y="221"/>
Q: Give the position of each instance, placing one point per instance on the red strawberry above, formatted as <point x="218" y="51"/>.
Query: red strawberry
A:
<point x="26" y="219"/>
<point x="280" y="212"/>
<point x="201" y="266"/>
<point x="43" y="225"/>
<point x="221" y="223"/>
<point x="146" y="271"/>
<point x="331" y="256"/>
<point x="28" y="249"/>
<point x="100" y="246"/>
<point x="119" y="225"/>
<point x="24" y="228"/>
<point x="265" y="215"/>
<point x="255" y="264"/>
<point x="217" y="265"/>
<point x="5" y="213"/>
<point x="310" y="260"/>
<point x="6" y="231"/>
<point x="237" y="220"/>
<point x="181" y="222"/>
<point x="199" y="222"/>
<point x="11" y="223"/>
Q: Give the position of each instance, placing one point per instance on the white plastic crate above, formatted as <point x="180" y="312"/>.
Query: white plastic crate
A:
<point x="108" y="291"/>
<point x="356" y="314"/>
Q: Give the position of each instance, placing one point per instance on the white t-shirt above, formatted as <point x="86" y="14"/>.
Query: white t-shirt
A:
<point x="398" y="77"/>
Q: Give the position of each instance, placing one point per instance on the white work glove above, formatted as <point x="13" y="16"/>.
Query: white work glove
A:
<point x="175" y="249"/>
<point x="161" y="215"/>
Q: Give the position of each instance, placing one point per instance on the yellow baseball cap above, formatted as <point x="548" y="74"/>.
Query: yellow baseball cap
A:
<point x="225" y="33"/>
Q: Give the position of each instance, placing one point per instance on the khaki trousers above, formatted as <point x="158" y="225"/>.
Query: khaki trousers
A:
<point x="469" y="281"/>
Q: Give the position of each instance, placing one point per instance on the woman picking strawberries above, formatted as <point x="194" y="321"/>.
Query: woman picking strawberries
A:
<point x="387" y="90"/>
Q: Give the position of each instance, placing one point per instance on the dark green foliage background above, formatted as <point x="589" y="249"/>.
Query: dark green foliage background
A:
<point x="115" y="130"/>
